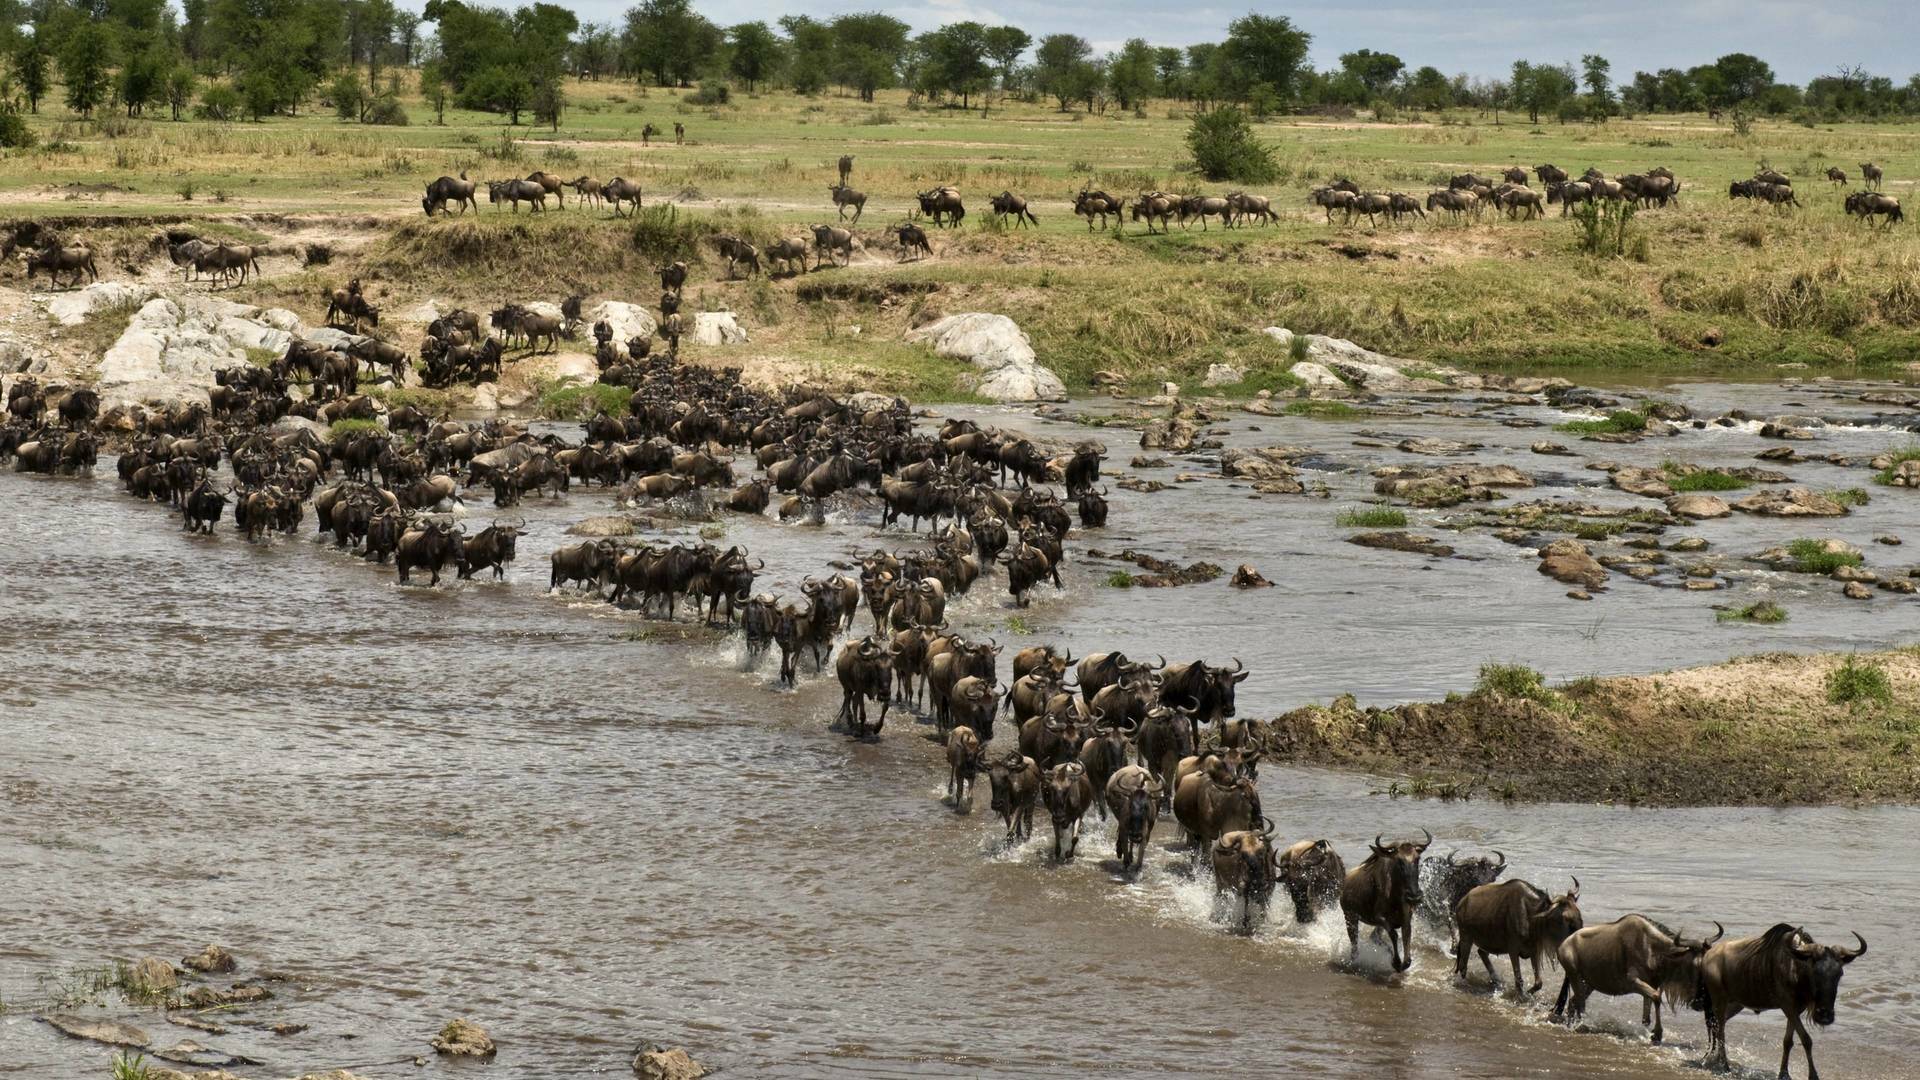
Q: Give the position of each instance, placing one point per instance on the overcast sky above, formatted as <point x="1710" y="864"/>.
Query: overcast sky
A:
<point x="1801" y="40"/>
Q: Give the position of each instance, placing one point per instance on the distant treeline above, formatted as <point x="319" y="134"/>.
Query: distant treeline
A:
<point x="230" y="59"/>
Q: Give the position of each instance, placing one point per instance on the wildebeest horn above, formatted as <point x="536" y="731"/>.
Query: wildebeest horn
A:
<point x="1195" y="707"/>
<point x="1266" y="827"/>
<point x="1848" y="957"/>
<point x="1575" y="894"/>
<point x="1377" y="845"/>
<point x="1429" y="842"/>
<point x="1503" y="860"/>
<point x="1162" y="663"/>
<point x="763" y="564"/>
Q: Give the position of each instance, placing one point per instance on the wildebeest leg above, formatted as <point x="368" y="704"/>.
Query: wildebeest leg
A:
<point x="1806" y="1045"/>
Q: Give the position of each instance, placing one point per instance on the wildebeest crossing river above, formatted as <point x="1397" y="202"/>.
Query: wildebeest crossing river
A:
<point x="569" y="824"/>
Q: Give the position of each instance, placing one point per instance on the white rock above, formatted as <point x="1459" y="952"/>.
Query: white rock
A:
<point x="1223" y="375"/>
<point x="250" y="334"/>
<point x="718" y="328"/>
<point x="1000" y="349"/>
<point x="424" y="312"/>
<point x="1170" y="389"/>
<point x="1316" y="376"/>
<point x="627" y="320"/>
<point x="867" y="401"/>
<point x="287" y="425"/>
<point x="281" y="319"/>
<point x="17" y="356"/>
<point x="1361" y="366"/>
<point x="483" y="398"/>
<point x="74" y="307"/>
<point x="545" y="307"/>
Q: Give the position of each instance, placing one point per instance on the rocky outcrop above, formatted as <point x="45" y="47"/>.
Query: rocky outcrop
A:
<point x="95" y="1029"/>
<point x="999" y="349"/>
<point x="1353" y="365"/>
<point x="1246" y="577"/>
<point x="1790" y="502"/>
<point x="1437" y="447"/>
<point x="1698" y="506"/>
<point x="1552" y="448"/>
<point x="75" y="306"/>
<point x="1651" y="483"/>
<point x="1570" y="561"/>
<point x="1260" y="463"/>
<point x="152" y="975"/>
<point x="213" y="959"/>
<point x="653" y="1063"/>
<point x="1175" y="434"/>
<point x="718" y="328"/>
<point x="1400" y="541"/>
<point x="464" y="1038"/>
<point x="1223" y="375"/>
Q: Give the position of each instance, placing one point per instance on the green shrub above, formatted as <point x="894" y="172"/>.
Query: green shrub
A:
<point x="1857" y="680"/>
<point x="1760" y="611"/>
<point x="14" y="132"/>
<point x="346" y="429"/>
<point x="662" y="233"/>
<point x="577" y="401"/>
<point x="1850" y="496"/>
<point x="219" y="102"/>
<point x="1119" y="579"/>
<point x="1321" y="410"/>
<point x="1679" y="478"/>
<point x="1372" y="517"/>
<point x="1619" y="421"/>
<point x="1224" y="148"/>
<point x="1511" y="680"/>
<point x="1812" y="557"/>
<point x="712" y="92"/>
<point x="388" y="112"/>
<point x="1602" y="227"/>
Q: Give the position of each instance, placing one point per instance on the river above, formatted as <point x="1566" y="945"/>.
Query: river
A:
<point x="547" y="816"/>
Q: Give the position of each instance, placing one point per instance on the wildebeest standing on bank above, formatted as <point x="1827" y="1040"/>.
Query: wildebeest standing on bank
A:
<point x="1870" y="174"/>
<point x="1631" y="955"/>
<point x="621" y="190"/>
<point x="449" y="190"/>
<point x="1091" y="204"/>
<point x="1516" y="920"/>
<point x="56" y="259"/>
<point x="913" y="241"/>
<point x="1007" y="204"/>
<point x="1382" y="892"/>
<point x="1781" y="969"/>
<point x="846" y="168"/>
<point x="515" y="192"/>
<point x="830" y="245"/>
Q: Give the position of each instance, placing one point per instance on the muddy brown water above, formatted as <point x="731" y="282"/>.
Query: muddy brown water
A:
<point x="536" y="812"/>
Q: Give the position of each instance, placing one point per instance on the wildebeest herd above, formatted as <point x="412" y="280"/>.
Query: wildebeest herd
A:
<point x="1121" y="737"/>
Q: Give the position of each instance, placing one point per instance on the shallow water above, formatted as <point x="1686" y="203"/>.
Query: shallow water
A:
<point x="488" y="802"/>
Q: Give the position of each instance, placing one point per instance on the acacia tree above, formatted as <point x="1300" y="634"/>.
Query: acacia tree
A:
<point x="30" y="67"/>
<point x="1005" y="44"/>
<point x="868" y="50"/>
<point x="1265" y="50"/>
<point x="85" y="58"/>
<point x="755" y="53"/>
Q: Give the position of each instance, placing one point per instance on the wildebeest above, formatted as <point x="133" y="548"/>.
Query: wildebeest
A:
<point x="1517" y="920"/>
<point x="1866" y="204"/>
<point x="965" y="758"/>
<point x="515" y="192"/>
<point x="1550" y="174"/>
<point x="1015" y="783"/>
<point x="1838" y="175"/>
<point x="56" y="259"/>
<point x="446" y="190"/>
<point x="831" y="245"/>
<point x="1204" y="207"/>
<point x="864" y="670"/>
<point x="1631" y="955"/>
<point x="1092" y="204"/>
<point x="551" y="184"/>
<point x="1208" y="805"/>
<point x="1153" y="206"/>
<point x="843" y="197"/>
<point x="790" y="253"/>
<point x="1514" y="174"/>
<point x="1312" y="873"/>
<point x="1244" y="864"/>
<point x="1400" y="204"/>
<point x="1206" y="692"/>
<point x="586" y="189"/>
<point x="1451" y="877"/>
<point x="1568" y="192"/>
<point x="737" y="252"/>
<point x="1246" y="206"/>
<point x="1008" y="204"/>
<point x="1383" y="892"/>
<point x="912" y="239"/>
<point x="1781" y="969"/>
<point x="1132" y="795"/>
<point x="1068" y="794"/>
<point x="1870" y="174"/>
<point x="493" y="547"/>
<point x="943" y="205"/>
<point x="846" y="168"/>
<point x="621" y="190"/>
<point x="425" y="546"/>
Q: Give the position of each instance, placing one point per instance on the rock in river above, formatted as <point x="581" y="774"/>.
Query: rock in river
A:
<point x="1571" y="562"/>
<point x="1698" y="506"/>
<point x="653" y="1063"/>
<point x="110" y="1032"/>
<point x="212" y="959"/>
<point x="1401" y="541"/>
<point x="152" y="975"/>
<point x="1791" y="502"/>
<point x="1637" y="481"/>
<point x="463" y="1038"/>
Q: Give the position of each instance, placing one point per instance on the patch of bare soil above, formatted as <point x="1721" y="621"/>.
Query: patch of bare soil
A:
<point x="1753" y="731"/>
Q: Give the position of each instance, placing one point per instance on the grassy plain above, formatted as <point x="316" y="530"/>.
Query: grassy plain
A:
<point x="1717" y="287"/>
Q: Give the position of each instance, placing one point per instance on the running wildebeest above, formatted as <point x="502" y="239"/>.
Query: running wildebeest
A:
<point x="1631" y="955"/>
<point x="1382" y="892"/>
<point x="1781" y="969"/>
<point x="843" y="197"/>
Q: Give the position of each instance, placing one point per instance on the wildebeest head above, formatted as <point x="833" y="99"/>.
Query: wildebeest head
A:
<point x="1822" y="966"/>
<point x="1456" y="877"/>
<point x="1560" y="918"/>
<point x="1402" y="860"/>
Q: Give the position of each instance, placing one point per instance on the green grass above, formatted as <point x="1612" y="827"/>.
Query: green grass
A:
<point x="1018" y="624"/>
<point x="1679" y="478"/>
<point x="1372" y="517"/>
<point x="1322" y="410"/>
<point x="578" y="401"/>
<point x="129" y="1066"/>
<point x="1809" y="556"/>
<point x="1850" y="496"/>
<point x="1119" y="579"/>
<point x="347" y="429"/>
<point x="1618" y="422"/>
<point x="1512" y="680"/>
<point x="1909" y="452"/>
<point x="1765" y="612"/>
<point x="1856" y="681"/>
